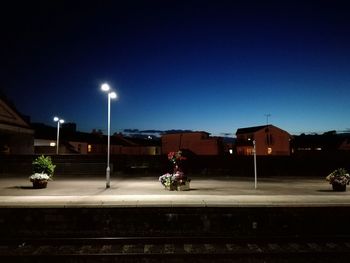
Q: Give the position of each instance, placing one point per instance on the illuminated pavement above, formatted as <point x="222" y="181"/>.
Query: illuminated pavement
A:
<point x="148" y="192"/>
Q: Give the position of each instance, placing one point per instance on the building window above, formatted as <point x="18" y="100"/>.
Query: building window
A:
<point x="269" y="150"/>
<point x="249" y="151"/>
<point x="89" y="148"/>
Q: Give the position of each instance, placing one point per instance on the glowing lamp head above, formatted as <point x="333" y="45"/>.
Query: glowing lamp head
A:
<point x="113" y="95"/>
<point x="105" y="87"/>
<point x="61" y="121"/>
<point x="56" y="119"/>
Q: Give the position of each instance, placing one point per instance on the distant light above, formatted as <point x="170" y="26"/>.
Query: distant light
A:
<point x="52" y="144"/>
<point x="105" y="87"/>
<point x="230" y="151"/>
<point x="113" y="95"/>
<point x="269" y="150"/>
<point x="149" y="137"/>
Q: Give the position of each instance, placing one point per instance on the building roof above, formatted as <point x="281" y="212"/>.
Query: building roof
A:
<point x="251" y="129"/>
<point x="10" y="119"/>
<point x="172" y="132"/>
<point x="43" y="131"/>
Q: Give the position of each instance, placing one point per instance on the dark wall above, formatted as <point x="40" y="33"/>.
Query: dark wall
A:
<point x="229" y="165"/>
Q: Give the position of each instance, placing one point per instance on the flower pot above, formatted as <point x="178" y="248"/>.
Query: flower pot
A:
<point x="339" y="187"/>
<point x="39" y="184"/>
<point x="171" y="187"/>
<point x="184" y="187"/>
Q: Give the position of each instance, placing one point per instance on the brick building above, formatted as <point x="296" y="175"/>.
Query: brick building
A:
<point x="196" y="142"/>
<point x="16" y="135"/>
<point x="269" y="139"/>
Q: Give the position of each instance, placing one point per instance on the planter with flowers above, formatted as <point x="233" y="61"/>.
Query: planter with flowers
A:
<point x="43" y="170"/>
<point x="177" y="180"/>
<point x="339" y="178"/>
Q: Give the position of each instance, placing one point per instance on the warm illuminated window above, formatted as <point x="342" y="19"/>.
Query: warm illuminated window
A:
<point x="269" y="150"/>
<point x="249" y="151"/>
<point x="89" y="148"/>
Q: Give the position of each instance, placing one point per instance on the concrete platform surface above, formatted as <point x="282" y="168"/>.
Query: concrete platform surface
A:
<point x="148" y="192"/>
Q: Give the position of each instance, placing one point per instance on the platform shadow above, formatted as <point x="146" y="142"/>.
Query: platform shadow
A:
<point x="325" y="190"/>
<point x="20" y="187"/>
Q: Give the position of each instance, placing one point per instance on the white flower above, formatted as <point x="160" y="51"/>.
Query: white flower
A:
<point x="39" y="176"/>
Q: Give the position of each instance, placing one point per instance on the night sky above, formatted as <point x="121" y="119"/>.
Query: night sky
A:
<point x="198" y="65"/>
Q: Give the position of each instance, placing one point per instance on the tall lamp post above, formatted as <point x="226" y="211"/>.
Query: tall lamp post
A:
<point x="59" y="121"/>
<point x="255" y="171"/>
<point x="111" y="95"/>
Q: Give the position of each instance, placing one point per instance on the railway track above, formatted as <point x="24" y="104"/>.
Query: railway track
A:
<point x="174" y="249"/>
<point x="153" y="234"/>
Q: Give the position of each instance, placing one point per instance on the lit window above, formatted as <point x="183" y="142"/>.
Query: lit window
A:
<point x="269" y="150"/>
<point x="89" y="148"/>
<point x="52" y="144"/>
<point x="249" y="151"/>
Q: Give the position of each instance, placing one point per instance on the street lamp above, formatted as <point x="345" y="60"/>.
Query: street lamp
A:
<point x="255" y="171"/>
<point x="59" y="121"/>
<point x="111" y="95"/>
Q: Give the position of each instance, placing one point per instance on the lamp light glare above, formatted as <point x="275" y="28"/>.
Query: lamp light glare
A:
<point x="113" y="95"/>
<point x="61" y="121"/>
<point x="55" y="119"/>
<point x="105" y="87"/>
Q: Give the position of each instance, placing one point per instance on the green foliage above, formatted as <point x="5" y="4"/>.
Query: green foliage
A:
<point x="44" y="165"/>
<point x="339" y="176"/>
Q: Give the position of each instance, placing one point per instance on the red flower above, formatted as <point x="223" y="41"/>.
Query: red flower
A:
<point x="175" y="156"/>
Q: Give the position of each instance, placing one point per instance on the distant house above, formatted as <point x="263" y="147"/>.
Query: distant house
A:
<point x="345" y="144"/>
<point x="269" y="140"/>
<point x="196" y="142"/>
<point x="95" y="143"/>
<point x="16" y="135"/>
<point x="327" y="142"/>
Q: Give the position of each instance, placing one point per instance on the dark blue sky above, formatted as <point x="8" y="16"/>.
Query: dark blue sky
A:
<point x="201" y="65"/>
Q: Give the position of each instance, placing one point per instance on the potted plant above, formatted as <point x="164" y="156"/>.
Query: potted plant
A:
<point x="339" y="178"/>
<point x="43" y="170"/>
<point x="176" y="180"/>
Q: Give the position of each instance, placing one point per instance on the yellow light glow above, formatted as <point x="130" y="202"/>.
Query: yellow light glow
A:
<point x="52" y="144"/>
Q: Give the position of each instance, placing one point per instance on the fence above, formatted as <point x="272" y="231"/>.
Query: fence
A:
<point x="225" y="165"/>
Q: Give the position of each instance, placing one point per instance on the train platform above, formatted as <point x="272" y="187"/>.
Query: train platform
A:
<point x="146" y="191"/>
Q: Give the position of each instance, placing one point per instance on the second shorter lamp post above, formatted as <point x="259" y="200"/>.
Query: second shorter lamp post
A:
<point x="255" y="171"/>
<point x="59" y="121"/>
<point x="111" y="95"/>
